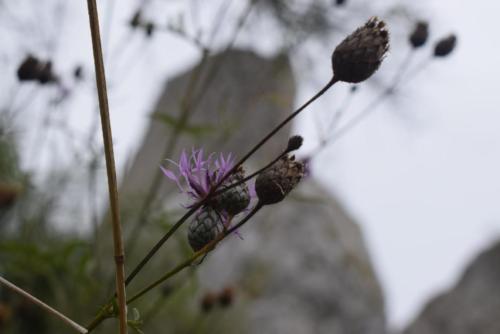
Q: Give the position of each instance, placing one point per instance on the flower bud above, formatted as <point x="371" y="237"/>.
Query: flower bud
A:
<point x="361" y="53"/>
<point x="274" y="183"/>
<point x="204" y="227"/>
<point x="419" y="35"/>
<point x="234" y="200"/>
<point x="445" y="46"/>
<point x="294" y="143"/>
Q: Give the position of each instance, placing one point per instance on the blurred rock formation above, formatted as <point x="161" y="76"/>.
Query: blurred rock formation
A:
<point x="472" y="306"/>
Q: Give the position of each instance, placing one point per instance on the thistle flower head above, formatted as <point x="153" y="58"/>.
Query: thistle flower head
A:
<point x="361" y="53"/>
<point x="197" y="174"/>
<point x="276" y="182"/>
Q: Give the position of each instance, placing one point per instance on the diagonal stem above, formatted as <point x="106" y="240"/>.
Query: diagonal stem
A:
<point x="44" y="306"/>
<point x="110" y="163"/>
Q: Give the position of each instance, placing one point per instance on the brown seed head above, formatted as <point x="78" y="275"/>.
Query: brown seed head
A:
<point x="274" y="183"/>
<point x="361" y="53"/>
<point x="29" y="69"/>
<point x="150" y="29"/>
<point x="294" y="143"/>
<point x="226" y="297"/>
<point x="208" y="301"/>
<point x="419" y="35"/>
<point x="136" y="20"/>
<point x="5" y="315"/>
<point x="445" y="46"/>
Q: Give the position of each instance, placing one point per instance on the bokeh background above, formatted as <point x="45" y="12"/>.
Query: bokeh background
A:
<point x="417" y="173"/>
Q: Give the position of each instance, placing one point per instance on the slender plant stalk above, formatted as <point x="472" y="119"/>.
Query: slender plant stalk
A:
<point x="157" y="246"/>
<point x="186" y="263"/>
<point x="110" y="164"/>
<point x="373" y="105"/>
<point x="105" y="311"/>
<point x="44" y="306"/>
<point x="103" y="315"/>
<point x="189" y="103"/>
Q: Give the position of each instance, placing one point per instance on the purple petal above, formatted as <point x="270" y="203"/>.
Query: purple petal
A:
<point x="171" y="176"/>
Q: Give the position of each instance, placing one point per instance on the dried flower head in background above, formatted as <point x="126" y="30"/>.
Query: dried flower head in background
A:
<point x="361" y="53"/>
<point x="208" y="301"/>
<point x="226" y="297"/>
<point x="419" y="35"/>
<point x="445" y="46"/>
<point x="274" y="183"/>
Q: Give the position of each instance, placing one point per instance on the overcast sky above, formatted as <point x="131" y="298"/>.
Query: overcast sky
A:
<point x="420" y="175"/>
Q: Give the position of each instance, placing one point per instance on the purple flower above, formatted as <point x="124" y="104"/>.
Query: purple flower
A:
<point x="197" y="175"/>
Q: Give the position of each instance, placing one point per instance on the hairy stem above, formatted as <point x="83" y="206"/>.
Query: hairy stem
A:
<point x="110" y="164"/>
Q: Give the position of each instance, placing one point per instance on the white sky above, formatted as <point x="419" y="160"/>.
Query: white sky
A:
<point x="421" y="177"/>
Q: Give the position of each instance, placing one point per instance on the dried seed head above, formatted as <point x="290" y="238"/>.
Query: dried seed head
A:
<point x="46" y="75"/>
<point x="208" y="301"/>
<point x="294" y="143"/>
<point x="78" y="72"/>
<point x="136" y="19"/>
<point x="274" y="183"/>
<point x="150" y="29"/>
<point x="9" y="193"/>
<point x="445" y="46"/>
<point x="234" y="200"/>
<point x="361" y="53"/>
<point x="5" y="315"/>
<point x="340" y="2"/>
<point x="420" y="34"/>
<point x="226" y="297"/>
<point x="29" y="69"/>
<point x="204" y="227"/>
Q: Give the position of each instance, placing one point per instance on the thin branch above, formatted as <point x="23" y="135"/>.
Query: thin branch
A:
<point x="44" y="306"/>
<point x="110" y="164"/>
<point x="186" y="263"/>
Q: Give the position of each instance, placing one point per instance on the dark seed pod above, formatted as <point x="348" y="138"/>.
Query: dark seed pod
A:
<point x="136" y="19"/>
<point x="226" y="297"/>
<point x="46" y="75"/>
<point x="294" y="143"/>
<point x="78" y="72"/>
<point x="340" y="2"/>
<point x="150" y="29"/>
<point x="208" y="301"/>
<point x="274" y="183"/>
<point x="29" y="69"/>
<point x="445" y="46"/>
<point x="361" y="53"/>
<point x="204" y="227"/>
<point x="419" y="35"/>
<point x="234" y="200"/>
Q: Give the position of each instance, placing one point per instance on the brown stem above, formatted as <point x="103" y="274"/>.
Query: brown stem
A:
<point x="110" y="163"/>
<point x="186" y="263"/>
